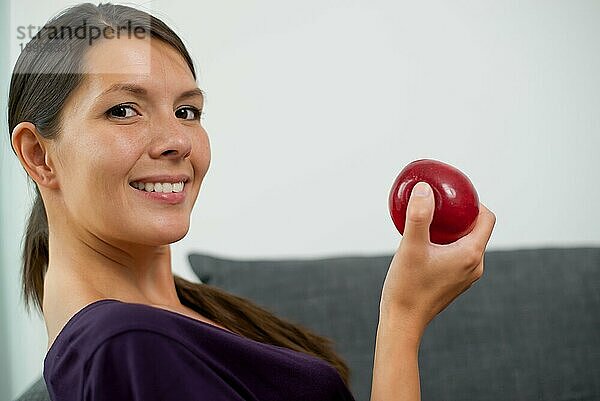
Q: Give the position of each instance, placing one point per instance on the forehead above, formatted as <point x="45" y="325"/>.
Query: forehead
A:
<point x="134" y="56"/>
<point x="148" y="63"/>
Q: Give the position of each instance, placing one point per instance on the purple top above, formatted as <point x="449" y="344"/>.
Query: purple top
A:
<point x="114" y="350"/>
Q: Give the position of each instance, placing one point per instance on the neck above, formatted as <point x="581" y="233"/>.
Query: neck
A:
<point x="83" y="265"/>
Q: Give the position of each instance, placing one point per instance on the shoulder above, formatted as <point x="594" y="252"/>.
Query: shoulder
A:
<point x="106" y="318"/>
<point x="113" y="350"/>
<point x="101" y="320"/>
<point x="141" y="365"/>
<point x="146" y="365"/>
<point x="111" y="317"/>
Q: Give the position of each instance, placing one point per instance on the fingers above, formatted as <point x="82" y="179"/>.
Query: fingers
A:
<point x="470" y="249"/>
<point x="419" y="214"/>
<point x="484" y="227"/>
<point x="478" y="238"/>
<point x="478" y="270"/>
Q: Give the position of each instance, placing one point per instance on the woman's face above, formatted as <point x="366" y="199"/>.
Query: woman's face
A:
<point x="132" y="126"/>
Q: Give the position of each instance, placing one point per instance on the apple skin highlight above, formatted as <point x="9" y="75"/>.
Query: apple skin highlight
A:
<point x="456" y="200"/>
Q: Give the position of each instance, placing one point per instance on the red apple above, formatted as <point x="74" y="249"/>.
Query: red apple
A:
<point x="456" y="201"/>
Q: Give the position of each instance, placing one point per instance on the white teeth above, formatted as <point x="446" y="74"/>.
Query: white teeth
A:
<point x="165" y="187"/>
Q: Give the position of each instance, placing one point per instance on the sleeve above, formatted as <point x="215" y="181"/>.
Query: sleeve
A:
<point x="148" y="366"/>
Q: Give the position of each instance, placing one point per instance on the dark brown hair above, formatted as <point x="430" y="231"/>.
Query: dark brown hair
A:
<point x="41" y="82"/>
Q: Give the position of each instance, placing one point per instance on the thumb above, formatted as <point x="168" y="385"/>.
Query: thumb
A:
<point x="419" y="214"/>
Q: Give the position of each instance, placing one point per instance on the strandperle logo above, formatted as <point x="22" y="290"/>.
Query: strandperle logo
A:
<point x="63" y="34"/>
<point x="60" y="40"/>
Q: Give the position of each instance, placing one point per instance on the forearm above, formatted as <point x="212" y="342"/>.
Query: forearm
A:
<point x="396" y="362"/>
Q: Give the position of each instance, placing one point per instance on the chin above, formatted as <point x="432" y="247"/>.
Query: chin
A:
<point x="168" y="237"/>
<point x="157" y="235"/>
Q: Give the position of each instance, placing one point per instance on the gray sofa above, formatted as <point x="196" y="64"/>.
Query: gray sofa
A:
<point x="528" y="330"/>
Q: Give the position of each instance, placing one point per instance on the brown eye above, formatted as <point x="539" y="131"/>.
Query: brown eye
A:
<point x="121" y="111"/>
<point x="188" y="113"/>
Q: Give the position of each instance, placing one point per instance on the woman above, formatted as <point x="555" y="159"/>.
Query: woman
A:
<point x="107" y="124"/>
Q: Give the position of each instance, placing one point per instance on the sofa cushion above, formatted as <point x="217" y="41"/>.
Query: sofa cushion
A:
<point x="36" y="392"/>
<point x="528" y="330"/>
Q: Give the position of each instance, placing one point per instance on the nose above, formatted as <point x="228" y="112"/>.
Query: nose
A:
<point x="171" y="140"/>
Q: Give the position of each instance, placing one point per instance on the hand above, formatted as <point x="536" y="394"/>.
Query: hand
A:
<point x="424" y="278"/>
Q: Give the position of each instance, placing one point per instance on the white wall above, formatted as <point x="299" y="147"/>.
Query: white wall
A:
<point x="314" y="106"/>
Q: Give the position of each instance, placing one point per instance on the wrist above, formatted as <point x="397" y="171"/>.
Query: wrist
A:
<point x="404" y="324"/>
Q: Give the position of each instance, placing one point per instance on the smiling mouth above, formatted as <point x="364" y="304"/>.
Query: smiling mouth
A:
<point x="160" y="187"/>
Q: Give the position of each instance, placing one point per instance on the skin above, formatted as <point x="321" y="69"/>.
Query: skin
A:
<point x="106" y="241"/>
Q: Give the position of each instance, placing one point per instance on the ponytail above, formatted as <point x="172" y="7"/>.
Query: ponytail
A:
<point x="252" y="321"/>
<point x="35" y="254"/>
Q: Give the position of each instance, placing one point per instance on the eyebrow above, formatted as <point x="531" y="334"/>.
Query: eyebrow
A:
<point x="142" y="92"/>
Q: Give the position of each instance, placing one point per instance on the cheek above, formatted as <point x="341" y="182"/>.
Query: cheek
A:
<point x="94" y="173"/>
<point x="203" y="155"/>
<point x="200" y="160"/>
<point x="113" y="161"/>
<point x="104" y="165"/>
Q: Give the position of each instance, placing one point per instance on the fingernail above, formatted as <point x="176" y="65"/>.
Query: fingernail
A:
<point x="421" y="189"/>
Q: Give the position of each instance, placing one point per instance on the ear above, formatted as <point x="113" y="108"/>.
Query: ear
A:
<point x="32" y="150"/>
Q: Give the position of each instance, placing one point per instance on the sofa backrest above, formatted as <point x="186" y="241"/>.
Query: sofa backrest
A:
<point x="528" y="330"/>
